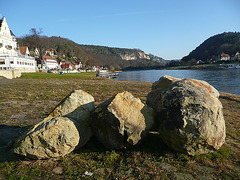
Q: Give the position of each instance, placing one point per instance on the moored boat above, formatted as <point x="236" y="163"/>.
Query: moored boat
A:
<point x="234" y="66"/>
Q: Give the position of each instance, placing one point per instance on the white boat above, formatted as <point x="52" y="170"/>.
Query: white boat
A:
<point x="106" y="74"/>
<point x="234" y="66"/>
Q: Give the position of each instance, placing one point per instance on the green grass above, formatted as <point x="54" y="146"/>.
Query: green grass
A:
<point x="40" y="75"/>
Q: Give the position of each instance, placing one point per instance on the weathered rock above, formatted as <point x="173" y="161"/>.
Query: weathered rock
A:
<point x="77" y="105"/>
<point x="189" y="114"/>
<point x="122" y="121"/>
<point x="49" y="138"/>
<point x="65" y="129"/>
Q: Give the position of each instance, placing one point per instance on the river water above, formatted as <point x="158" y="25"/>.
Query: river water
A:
<point x="227" y="80"/>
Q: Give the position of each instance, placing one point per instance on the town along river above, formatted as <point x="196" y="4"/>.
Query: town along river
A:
<point x="224" y="80"/>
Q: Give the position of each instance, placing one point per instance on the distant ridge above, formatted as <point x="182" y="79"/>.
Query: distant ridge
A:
<point x="97" y="55"/>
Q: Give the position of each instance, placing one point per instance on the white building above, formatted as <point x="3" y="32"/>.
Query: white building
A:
<point x="49" y="63"/>
<point x="10" y="57"/>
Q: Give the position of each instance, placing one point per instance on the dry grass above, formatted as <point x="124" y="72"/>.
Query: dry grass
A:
<point x="26" y="101"/>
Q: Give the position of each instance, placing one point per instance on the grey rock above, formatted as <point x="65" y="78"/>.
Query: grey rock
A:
<point x="189" y="115"/>
<point x="57" y="170"/>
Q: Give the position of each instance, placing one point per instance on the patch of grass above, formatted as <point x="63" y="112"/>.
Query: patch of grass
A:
<point x="223" y="154"/>
<point x="40" y="75"/>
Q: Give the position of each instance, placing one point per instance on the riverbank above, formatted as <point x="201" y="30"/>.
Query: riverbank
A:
<point x="202" y="66"/>
<point x="27" y="101"/>
<point x="197" y="67"/>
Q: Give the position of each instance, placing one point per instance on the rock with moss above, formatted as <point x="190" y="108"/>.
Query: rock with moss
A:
<point x="189" y="115"/>
<point x="65" y="129"/>
<point x="122" y="121"/>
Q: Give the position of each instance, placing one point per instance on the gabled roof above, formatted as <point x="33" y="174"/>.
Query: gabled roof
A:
<point x="66" y="65"/>
<point x="46" y="57"/>
<point x="23" y="50"/>
<point x="2" y="21"/>
<point x="225" y="55"/>
<point x="1" y="25"/>
<point x="12" y="33"/>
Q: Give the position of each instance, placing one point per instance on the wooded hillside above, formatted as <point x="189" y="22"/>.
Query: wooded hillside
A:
<point x="90" y="54"/>
<point x="213" y="47"/>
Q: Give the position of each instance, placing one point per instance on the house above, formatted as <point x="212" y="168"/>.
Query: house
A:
<point x="50" y="52"/>
<point x="36" y="53"/>
<point x="237" y="56"/>
<point x="66" y="65"/>
<point x="225" y="57"/>
<point x="49" y="63"/>
<point x="24" y="50"/>
<point x="75" y="65"/>
<point x="10" y="57"/>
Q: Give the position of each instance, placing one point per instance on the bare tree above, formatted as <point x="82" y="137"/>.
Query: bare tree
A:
<point x="35" y="40"/>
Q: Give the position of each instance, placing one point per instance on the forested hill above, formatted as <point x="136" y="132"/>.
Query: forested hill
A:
<point x="213" y="47"/>
<point x="93" y="55"/>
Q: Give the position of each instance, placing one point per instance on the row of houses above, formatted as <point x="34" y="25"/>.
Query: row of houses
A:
<point x="48" y="63"/>
<point x="227" y="57"/>
<point x="13" y="56"/>
<point x="224" y="57"/>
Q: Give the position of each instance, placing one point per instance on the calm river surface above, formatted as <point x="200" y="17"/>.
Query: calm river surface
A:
<point x="223" y="80"/>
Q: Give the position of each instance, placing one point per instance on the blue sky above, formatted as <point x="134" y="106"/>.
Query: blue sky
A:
<point x="167" y="28"/>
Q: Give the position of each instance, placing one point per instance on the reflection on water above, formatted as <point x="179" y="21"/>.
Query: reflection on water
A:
<point x="224" y="80"/>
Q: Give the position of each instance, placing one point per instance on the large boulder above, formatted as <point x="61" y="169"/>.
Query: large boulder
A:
<point x="49" y="138"/>
<point x="65" y="129"/>
<point x="122" y="121"/>
<point x="78" y="106"/>
<point x="189" y="114"/>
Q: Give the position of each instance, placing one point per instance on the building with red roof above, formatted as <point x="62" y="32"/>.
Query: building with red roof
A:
<point x="225" y="57"/>
<point x="49" y="63"/>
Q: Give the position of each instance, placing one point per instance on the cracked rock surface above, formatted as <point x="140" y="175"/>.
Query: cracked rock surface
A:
<point x="121" y="121"/>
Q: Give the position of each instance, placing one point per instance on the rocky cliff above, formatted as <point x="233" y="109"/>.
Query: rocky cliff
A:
<point x="134" y="55"/>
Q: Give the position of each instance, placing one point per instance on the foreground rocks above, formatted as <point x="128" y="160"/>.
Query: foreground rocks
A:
<point x="122" y="121"/>
<point x="189" y="115"/>
<point x="65" y="129"/>
<point x="186" y="113"/>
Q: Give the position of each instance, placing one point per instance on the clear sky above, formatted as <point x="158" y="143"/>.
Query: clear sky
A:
<point x="167" y="28"/>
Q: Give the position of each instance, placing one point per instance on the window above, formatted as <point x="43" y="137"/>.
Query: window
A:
<point x="11" y="61"/>
<point x="2" y="61"/>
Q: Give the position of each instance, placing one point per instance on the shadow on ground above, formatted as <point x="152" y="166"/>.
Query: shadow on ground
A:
<point x="7" y="135"/>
